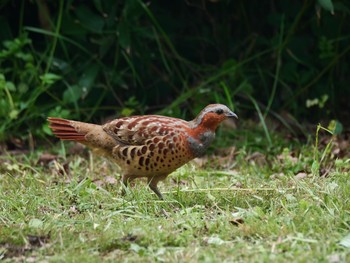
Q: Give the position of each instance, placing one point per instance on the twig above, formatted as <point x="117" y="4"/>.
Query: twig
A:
<point x="230" y="189"/>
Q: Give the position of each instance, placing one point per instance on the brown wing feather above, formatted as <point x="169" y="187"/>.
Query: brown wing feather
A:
<point x="137" y="130"/>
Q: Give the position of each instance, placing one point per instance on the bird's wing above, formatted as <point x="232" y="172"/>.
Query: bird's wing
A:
<point x="137" y="130"/>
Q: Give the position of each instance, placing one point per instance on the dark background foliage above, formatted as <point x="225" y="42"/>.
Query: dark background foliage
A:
<point x="91" y="60"/>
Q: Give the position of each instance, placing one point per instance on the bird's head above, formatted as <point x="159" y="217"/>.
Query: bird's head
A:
<point x="212" y="115"/>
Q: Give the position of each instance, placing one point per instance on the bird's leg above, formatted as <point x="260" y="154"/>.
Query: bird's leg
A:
<point x="155" y="189"/>
<point x="152" y="183"/>
<point x="126" y="179"/>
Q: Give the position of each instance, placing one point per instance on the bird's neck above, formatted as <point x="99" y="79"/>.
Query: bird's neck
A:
<point x="200" y="140"/>
<point x="201" y="124"/>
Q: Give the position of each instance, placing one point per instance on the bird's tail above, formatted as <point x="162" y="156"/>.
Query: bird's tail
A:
<point x="68" y="129"/>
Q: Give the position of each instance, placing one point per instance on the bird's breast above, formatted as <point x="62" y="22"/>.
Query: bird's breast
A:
<point x="200" y="143"/>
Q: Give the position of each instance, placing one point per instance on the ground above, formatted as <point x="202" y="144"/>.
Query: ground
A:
<point x="233" y="205"/>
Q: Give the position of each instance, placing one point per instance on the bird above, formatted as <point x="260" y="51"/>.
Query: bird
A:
<point x="150" y="146"/>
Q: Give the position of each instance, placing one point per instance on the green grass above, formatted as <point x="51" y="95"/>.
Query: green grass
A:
<point x="254" y="211"/>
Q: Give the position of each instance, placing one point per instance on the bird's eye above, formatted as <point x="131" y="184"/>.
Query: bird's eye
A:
<point x="219" y="111"/>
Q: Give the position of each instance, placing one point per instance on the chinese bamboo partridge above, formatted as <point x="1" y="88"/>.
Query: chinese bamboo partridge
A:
<point x="149" y="146"/>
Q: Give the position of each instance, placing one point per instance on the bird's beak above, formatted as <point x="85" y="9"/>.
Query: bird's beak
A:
<point x="231" y="115"/>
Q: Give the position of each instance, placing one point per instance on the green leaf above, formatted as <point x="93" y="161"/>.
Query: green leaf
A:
<point x="258" y="211"/>
<point x="36" y="223"/>
<point x="13" y="114"/>
<point x="335" y="126"/>
<point x="98" y="5"/>
<point x="127" y="111"/>
<point x="2" y="81"/>
<point x="88" y="77"/>
<point x="90" y="20"/>
<point x="327" y="5"/>
<point x="27" y="57"/>
<point x="211" y="197"/>
<point x="132" y="9"/>
<point x="22" y="87"/>
<point x="315" y="168"/>
<point x="10" y="86"/>
<point x="106" y="45"/>
<point x="71" y="27"/>
<point x="49" y="78"/>
<point x="124" y="34"/>
<point x="72" y="94"/>
<point x="46" y="129"/>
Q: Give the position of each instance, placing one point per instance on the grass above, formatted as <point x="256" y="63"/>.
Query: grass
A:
<point x="254" y="210"/>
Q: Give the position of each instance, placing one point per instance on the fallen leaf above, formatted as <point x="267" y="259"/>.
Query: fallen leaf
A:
<point x="73" y="210"/>
<point x="231" y="151"/>
<point x="77" y="149"/>
<point x="60" y="168"/>
<point x="129" y="237"/>
<point x="200" y="162"/>
<point x="38" y="241"/>
<point x="258" y="158"/>
<point x="324" y="171"/>
<point x="165" y="213"/>
<point x="136" y="248"/>
<point x="277" y="175"/>
<point x="334" y="258"/>
<point x="345" y="241"/>
<point x="288" y="158"/>
<point x="300" y="175"/>
<point x="238" y="185"/>
<point x="19" y="143"/>
<point x="46" y="158"/>
<point x="15" y="251"/>
<point x="237" y="221"/>
<point x="110" y="180"/>
<point x="31" y="259"/>
<point x="214" y="240"/>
